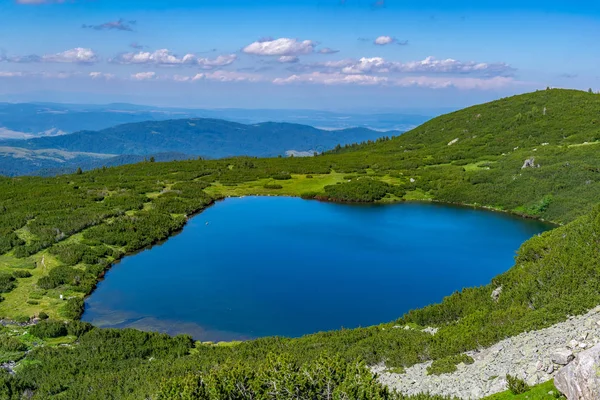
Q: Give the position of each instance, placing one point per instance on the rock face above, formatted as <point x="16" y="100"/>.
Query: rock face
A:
<point x="580" y="380"/>
<point x="532" y="356"/>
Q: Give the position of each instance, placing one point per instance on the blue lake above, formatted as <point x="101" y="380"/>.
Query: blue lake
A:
<point x="260" y="266"/>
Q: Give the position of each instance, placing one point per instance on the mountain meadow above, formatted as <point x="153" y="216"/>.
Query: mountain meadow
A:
<point x="533" y="155"/>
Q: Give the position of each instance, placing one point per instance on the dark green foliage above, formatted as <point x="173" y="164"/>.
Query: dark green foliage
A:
<point x="281" y="176"/>
<point x="49" y="329"/>
<point x="516" y="385"/>
<point x="11" y="344"/>
<point x="73" y="308"/>
<point x="21" y="273"/>
<point x="61" y="275"/>
<point x="42" y="315"/>
<point x="360" y="190"/>
<point x="448" y="364"/>
<point x="78" y="328"/>
<point x="272" y="186"/>
<point x="6" y="282"/>
<point x="279" y="378"/>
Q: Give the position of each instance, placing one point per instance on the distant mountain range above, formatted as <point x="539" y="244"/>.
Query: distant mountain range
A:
<point x="169" y="140"/>
<point x="28" y="120"/>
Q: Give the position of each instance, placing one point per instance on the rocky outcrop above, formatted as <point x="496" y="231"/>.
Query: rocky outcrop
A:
<point x="532" y="356"/>
<point x="580" y="380"/>
<point x="496" y="293"/>
<point x="529" y="163"/>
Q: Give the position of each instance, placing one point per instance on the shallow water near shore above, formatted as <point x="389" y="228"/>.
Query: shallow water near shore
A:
<point x="261" y="266"/>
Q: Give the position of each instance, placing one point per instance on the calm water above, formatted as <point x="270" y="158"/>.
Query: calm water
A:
<point x="286" y="266"/>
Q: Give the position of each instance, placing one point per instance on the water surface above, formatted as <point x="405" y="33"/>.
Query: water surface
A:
<point x="258" y="266"/>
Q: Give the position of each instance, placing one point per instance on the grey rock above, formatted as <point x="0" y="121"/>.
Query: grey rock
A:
<point x="496" y="293"/>
<point x="580" y="380"/>
<point x="562" y="356"/>
<point x="529" y="163"/>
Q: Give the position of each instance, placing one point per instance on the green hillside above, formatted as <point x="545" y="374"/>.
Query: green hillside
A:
<point x="66" y="231"/>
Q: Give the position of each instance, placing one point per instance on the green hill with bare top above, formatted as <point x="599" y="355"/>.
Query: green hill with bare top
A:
<point x="80" y="224"/>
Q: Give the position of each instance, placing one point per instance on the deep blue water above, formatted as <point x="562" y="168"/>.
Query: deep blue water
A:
<point x="285" y="266"/>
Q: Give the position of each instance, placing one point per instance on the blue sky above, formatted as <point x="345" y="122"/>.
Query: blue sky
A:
<point x="334" y="54"/>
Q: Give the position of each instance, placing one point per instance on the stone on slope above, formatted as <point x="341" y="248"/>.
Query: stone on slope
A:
<point x="562" y="356"/>
<point x="580" y="380"/>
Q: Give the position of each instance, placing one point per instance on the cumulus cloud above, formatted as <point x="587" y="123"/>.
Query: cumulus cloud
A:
<point x="166" y="58"/>
<point x="220" y="76"/>
<point x="431" y="65"/>
<point x="39" y="74"/>
<point x="462" y="83"/>
<point x="288" y="59"/>
<point x="280" y="47"/>
<point x="77" y="55"/>
<point x="385" y="40"/>
<point x="331" y="79"/>
<point x="143" y="76"/>
<point x="101" y="75"/>
<point x="10" y="74"/>
<point x="119" y="25"/>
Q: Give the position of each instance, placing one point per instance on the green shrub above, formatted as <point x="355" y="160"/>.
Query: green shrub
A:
<point x="78" y="328"/>
<point x="73" y="308"/>
<point x="49" y="329"/>
<point x="281" y="176"/>
<point x="7" y="283"/>
<point x="43" y="316"/>
<point x="11" y="344"/>
<point x="448" y="364"/>
<point x="516" y="385"/>
<point x="22" y="273"/>
<point x="272" y="186"/>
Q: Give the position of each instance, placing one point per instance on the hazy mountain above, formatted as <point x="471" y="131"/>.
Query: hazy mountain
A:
<point x="187" y="138"/>
<point x="27" y="120"/>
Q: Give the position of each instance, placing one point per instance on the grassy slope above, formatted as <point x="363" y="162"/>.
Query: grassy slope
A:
<point x="556" y="274"/>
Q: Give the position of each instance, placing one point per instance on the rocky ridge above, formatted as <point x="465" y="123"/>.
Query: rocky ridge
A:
<point x="533" y="356"/>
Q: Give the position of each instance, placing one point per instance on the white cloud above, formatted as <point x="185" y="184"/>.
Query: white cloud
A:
<point x="288" y="59"/>
<point x="449" y="65"/>
<point x="166" y="57"/>
<point x="331" y="79"/>
<point x="77" y="55"/>
<point x="280" y="47"/>
<point x="143" y="76"/>
<point x="220" y="76"/>
<point x="378" y="65"/>
<point x="462" y="83"/>
<point x="101" y="75"/>
<point x="367" y="65"/>
<point x="383" y="40"/>
<point x="11" y="74"/>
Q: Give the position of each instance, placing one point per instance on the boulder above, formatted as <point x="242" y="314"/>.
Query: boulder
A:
<point x="529" y="163"/>
<point x="496" y="293"/>
<point x="580" y="380"/>
<point x="562" y="356"/>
